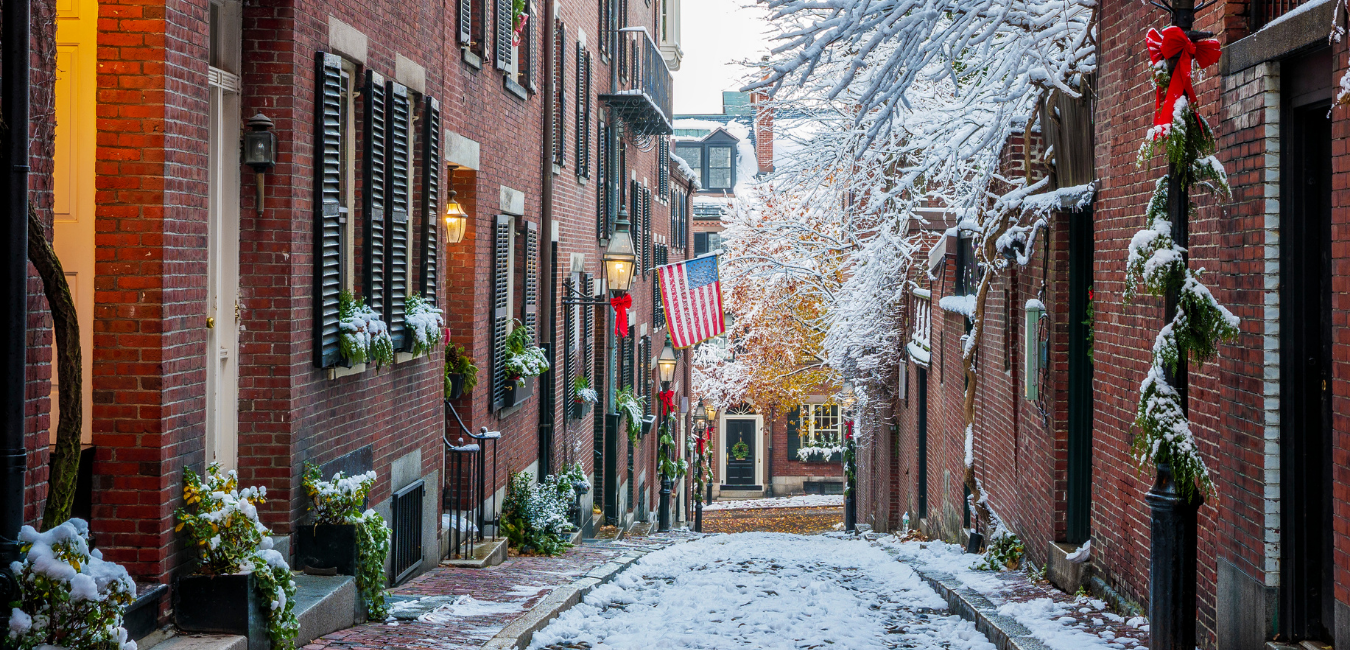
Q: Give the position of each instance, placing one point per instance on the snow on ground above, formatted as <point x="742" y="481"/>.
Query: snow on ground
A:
<point x="805" y="501"/>
<point x="1047" y="619"/>
<point x="763" y="590"/>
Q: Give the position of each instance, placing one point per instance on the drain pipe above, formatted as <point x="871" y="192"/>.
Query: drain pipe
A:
<point x="13" y="282"/>
<point x="546" y="244"/>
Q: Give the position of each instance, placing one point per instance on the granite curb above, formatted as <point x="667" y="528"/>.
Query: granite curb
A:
<point x="518" y="634"/>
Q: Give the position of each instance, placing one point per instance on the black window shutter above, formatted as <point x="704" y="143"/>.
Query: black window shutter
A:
<point x="560" y="93"/>
<point x="399" y="161"/>
<point x="658" y="307"/>
<point x="635" y="220"/>
<point x="372" y="183"/>
<point x="663" y="173"/>
<point x="428" y="278"/>
<point x="587" y="326"/>
<point x="530" y="43"/>
<point x="794" y="440"/>
<point x="465" y="23"/>
<point x="327" y="206"/>
<point x="503" y="34"/>
<point x="531" y="266"/>
<point x="602" y="182"/>
<point x="569" y="344"/>
<point x="647" y="230"/>
<point x="644" y="365"/>
<point x="583" y="111"/>
<point x="627" y="347"/>
<point x="501" y="305"/>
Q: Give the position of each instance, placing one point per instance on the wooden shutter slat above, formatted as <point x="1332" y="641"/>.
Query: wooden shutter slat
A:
<point x="559" y="93"/>
<point x="794" y="441"/>
<point x="587" y="324"/>
<point x="531" y="276"/>
<point x="372" y="183"/>
<point x="501" y="306"/>
<point x="569" y="344"/>
<point x="602" y="182"/>
<point x="646" y="229"/>
<point x="663" y="172"/>
<point x="428" y="275"/>
<point x="465" y="23"/>
<point x="503" y="34"/>
<point x="327" y="208"/>
<point x="399" y="160"/>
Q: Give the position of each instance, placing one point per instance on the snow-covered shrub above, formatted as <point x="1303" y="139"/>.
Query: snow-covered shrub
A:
<point x="340" y="501"/>
<point x="364" y="337"/>
<point x="69" y="597"/>
<point x="424" y="324"/>
<point x="221" y="520"/>
<point x="523" y="357"/>
<point x="824" y="452"/>
<point x="534" y="517"/>
<point x="632" y="407"/>
<point x="1004" y="552"/>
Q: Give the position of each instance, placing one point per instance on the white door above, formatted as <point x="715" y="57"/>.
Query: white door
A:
<point x="222" y="290"/>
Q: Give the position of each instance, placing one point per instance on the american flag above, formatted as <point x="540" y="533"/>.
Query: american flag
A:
<point x="691" y="294"/>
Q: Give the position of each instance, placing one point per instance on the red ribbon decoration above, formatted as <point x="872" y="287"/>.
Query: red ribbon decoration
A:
<point x="667" y="400"/>
<point x="621" y="305"/>
<point x="1173" y="42"/>
<point x="700" y="444"/>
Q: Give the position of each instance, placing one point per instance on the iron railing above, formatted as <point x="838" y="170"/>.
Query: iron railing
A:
<point x="1264" y="11"/>
<point x="471" y="490"/>
<point x="459" y="497"/>
<point x="407" y="529"/>
<point x="922" y="320"/>
<point x="643" y="97"/>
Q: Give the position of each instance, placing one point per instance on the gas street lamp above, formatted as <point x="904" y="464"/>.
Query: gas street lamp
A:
<point x="620" y="257"/>
<point x="665" y="365"/>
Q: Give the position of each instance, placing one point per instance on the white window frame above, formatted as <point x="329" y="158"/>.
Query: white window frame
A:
<point x="817" y="436"/>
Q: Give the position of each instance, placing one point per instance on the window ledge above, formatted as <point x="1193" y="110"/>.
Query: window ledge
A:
<point x="472" y="58"/>
<point x="507" y="412"/>
<point x="582" y="181"/>
<point x="339" y="371"/>
<point x="557" y="169"/>
<point x="515" y="88"/>
<point x="403" y="357"/>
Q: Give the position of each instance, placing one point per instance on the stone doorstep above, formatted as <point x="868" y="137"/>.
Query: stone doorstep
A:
<point x="488" y="553"/>
<point x="323" y="604"/>
<point x="517" y="635"/>
<point x="1066" y="575"/>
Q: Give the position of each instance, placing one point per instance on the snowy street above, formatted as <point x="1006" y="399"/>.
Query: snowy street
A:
<point x="763" y="590"/>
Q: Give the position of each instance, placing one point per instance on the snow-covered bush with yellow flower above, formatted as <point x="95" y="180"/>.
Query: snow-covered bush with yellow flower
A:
<point x="69" y="597"/>
<point x="340" y="501"/>
<point x="221" y="521"/>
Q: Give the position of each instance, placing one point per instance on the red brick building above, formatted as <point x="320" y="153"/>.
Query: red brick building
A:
<point x="1053" y="454"/>
<point x="212" y="316"/>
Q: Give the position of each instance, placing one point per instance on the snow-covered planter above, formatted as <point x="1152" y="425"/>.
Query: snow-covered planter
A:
<point x="820" y="453"/>
<point x="221" y="521"/>
<point x="632" y="407"/>
<point x="425" y="324"/>
<point x="583" y="396"/>
<point x="534" y="517"/>
<point x="69" y="597"/>
<point x="364" y="337"/>
<point x="345" y="535"/>
<point x="523" y="358"/>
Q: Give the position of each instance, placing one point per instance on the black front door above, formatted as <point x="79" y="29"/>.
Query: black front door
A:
<point x="1305" y="351"/>
<point x="1079" y="497"/>
<point x="740" y="452"/>
<point x="921" y="379"/>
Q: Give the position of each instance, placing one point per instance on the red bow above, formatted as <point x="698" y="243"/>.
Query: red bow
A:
<point x="621" y="305"/>
<point x="667" y="400"/>
<point x="1173" y="42"/>
<point x="700" y="444"/>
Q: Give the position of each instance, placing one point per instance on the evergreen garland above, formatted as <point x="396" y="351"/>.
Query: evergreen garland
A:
<point x="1156" y="265"/>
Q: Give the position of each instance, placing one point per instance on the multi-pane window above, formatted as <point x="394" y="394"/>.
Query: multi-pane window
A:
<point x="692" y="154"/>
<point x="820" y="425"/>
<point x="719" y="168"/>
<point x="706" y="242"/>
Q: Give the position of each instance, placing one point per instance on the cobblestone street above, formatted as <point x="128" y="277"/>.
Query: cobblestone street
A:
<point x="804" y="521"/>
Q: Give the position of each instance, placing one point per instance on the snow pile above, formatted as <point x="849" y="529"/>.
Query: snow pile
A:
<point x="803" y="501"/>
<point x="763" y="590"/>
<point x="1049" y="622"/>
<point x="964" y="305"/>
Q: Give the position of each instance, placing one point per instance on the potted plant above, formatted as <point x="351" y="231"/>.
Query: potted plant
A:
<point x="364" y="337"/>
<point x="583" y="396"/>
<point x="424" y="324"/>
<point x="461" y="375"/>
<point x="345" y="538"/>
<point x="242" y="585"/>
<point x="68" y="596"/>
<point x="524" y="359"/>
<point x="631" y="407"/>
<point x="534" y="517"/>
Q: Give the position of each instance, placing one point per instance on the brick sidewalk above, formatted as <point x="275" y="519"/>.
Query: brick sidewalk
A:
<point x="804" y="521"/>
<point x="433" y="614"/>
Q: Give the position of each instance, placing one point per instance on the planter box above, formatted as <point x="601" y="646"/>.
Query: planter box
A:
<point x="516" y="394"/>
<point x="456" y="385"/>
<point x="578" y="410"/>
<point x="222" y="605"/>
<point x="327" y="546"/>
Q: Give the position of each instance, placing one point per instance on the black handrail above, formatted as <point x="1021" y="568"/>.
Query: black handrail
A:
<point x="458" y="460"/>
<point x="483" y="436"/>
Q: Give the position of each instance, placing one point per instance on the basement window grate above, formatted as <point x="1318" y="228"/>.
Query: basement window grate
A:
<point x="406" y="545"/>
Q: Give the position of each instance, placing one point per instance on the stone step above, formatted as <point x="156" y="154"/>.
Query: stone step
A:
<point x="168" y="639"/>
<point x="324" y="604"/>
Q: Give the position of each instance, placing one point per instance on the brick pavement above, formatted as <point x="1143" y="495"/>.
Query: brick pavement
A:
<point x="805" y="521"/>
<point x="432" y="612"/>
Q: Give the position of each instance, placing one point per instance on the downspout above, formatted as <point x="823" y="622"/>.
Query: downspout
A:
<point x="546" y="239"/>
<point x="14" y="88"/>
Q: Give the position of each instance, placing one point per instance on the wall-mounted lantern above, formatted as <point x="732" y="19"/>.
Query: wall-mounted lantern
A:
<point x="456" y="220"/>
<point x="260" y="151"/>
<point x="620" y="257"/>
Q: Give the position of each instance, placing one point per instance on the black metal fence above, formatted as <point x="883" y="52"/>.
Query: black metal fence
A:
<point x="643" y="96"/>
<point x="406" y="545"/>
<point x="469" y="496"/>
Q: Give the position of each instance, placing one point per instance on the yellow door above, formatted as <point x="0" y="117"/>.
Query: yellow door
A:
<point x="76" y="131"/>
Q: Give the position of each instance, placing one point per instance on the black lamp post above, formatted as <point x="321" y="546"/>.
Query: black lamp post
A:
<point x="665" y="365"/>
<point x="850" y="479"/>
<point x="701" y="419"/>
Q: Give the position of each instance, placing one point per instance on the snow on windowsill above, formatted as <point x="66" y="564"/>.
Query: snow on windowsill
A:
<point x="964" y="305"/>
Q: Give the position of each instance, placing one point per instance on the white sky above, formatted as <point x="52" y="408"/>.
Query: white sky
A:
<point x="716" y="36"/>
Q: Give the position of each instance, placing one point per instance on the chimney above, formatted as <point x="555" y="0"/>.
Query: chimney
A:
<point x="763" y="127"/>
